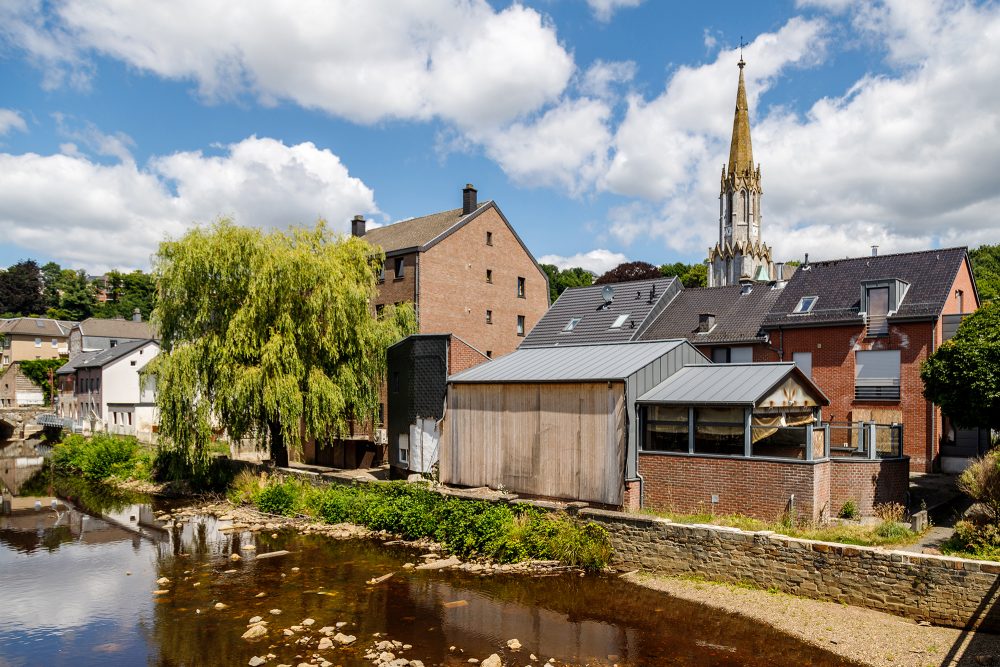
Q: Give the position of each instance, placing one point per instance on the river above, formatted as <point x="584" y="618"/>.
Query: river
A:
<point x="77" y="588"/>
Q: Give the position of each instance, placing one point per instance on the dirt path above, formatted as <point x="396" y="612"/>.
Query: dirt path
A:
<point x="866" y="636"/>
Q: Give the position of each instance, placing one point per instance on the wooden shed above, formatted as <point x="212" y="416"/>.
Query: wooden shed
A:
<point x="556" y="422"/>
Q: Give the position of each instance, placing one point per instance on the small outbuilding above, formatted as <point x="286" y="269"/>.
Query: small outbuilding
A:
<point x="556" y="422"/>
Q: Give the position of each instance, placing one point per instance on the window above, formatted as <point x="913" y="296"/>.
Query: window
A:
<point x="489" y="275"/>
<point x="404" y="448"/>
<point x="381" y="272"/>
<point x="38" y="342"/>
<point x="489" y="354"/>
<point x="617" y="324"/>
<point x="960" y="298"/>
<point x="719" y="431"/>
<point x="55" y="343"/>
<point x="520" y="287"/>
<point x="876" y="375"/>
<point x="572" y="323"/>
<point x="489" y="317"/>
<point x="732" y="355"/>
<point x="114" y="343"/>
<point x="132" y="363"/>
<point x="520" y="325"/>
<point x="878" y="311"/>
<point x="805" y="304"/>
<point x="804" y="360"/>
<point x="666" y="429"/>
<point x="489" y="238"/>
<point x="398" y="267"/>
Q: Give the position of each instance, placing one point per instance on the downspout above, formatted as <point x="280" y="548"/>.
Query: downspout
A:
<point x="416" y="287"/>
<point x="638" y="477"/>
<point x="936" y="461"/>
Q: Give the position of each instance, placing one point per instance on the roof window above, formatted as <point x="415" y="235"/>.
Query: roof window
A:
<point x="572" y="323"/>
<point x="617" y="324"/>
<point x="805" y="304"/>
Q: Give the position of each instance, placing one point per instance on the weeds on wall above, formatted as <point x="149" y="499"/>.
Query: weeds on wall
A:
<point x="503" y="533"/>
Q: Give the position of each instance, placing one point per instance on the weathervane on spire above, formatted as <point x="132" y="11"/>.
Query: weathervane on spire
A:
<point x="740" y="64"/>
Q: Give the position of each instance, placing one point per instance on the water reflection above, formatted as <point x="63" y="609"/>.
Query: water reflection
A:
<point x="74" y="603"/>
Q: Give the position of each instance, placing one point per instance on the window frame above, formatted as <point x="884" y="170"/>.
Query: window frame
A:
<point x="802" y="309"/>
<point x="489" y="276"/>
<point x="620" y="321"/>
<point x="489" y="238"/>
<point x="572" y="324"/>
<point x="522" y="287"/>
<point x="521" y="325"/>
<point x="489" y="316"/>
<point x="399" y="268"/>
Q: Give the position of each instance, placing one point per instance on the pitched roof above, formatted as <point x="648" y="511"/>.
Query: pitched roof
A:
<point x="571" y="363"/>
<point x="105" y="357"/>
<point x="77" y="361"/>
<point x="631" y="299"/>
<point x="35" y="326"/>
<point x="740" y="150"/>
<point x="738" y="317"/>
<point x="418" y="232"/>
<point x="117" y="328"/>
<point x="727" y="384"/>
<point x="837" y="284"/>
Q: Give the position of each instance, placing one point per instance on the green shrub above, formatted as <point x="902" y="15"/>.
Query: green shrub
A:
<point x="210" y="474"/>
<point x="280" y="498"/>
<point x="102" y="457"/>
<point x="587" y="546"/>
<point x="981" y="482"/>
<point x="976" y="538"/>
<point x="849" y="510"/>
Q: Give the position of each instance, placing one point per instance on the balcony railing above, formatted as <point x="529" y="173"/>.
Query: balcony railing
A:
<point x="866" y="440"/>
<point x="876" y="389"/>
<point x="878" y="325"/>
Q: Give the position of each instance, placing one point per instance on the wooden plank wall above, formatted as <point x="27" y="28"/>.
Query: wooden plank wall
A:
<point x="552" y="440"/>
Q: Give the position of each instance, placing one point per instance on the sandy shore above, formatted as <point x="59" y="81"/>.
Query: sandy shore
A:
<point x="863" y="635"/>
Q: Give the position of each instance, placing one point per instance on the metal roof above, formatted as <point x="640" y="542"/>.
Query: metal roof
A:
<point x="726" y="384"/>
<point x="105" y="357"/>
<point x="570" y="363"/>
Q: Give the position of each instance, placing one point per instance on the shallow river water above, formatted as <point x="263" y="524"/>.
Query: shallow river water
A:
<point x="78" y="589"/>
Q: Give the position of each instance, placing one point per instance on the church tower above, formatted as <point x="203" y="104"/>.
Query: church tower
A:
<point x="740" y="254"/>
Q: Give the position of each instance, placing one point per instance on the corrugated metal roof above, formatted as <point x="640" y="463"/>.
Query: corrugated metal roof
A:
<point x="571" y="363"/>
<point x="723" y="384"/>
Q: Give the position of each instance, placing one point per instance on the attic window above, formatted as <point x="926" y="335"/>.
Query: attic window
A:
<point x="806" y="304"/>
<point x="572" y="323"/>
<point x="622" y="319"/>
<point x="40" y="324"/>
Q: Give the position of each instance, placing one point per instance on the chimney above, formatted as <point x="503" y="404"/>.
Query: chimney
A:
<point x="874" y="251"/>
<point x="137" y="315"/>
<point x="358" y="226"/>
<point x="469" y="203"/>
<point x="705" y="322"/>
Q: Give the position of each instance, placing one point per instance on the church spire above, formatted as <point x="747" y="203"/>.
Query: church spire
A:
<point x="740" y="151"/>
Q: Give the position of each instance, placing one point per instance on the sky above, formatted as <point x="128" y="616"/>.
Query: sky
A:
<point x="599" y="127"/>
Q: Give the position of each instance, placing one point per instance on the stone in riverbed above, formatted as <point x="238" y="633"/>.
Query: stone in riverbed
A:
<point x="221" y="605"/>
<point x="439" y="564"/>
<point x="275" y="611"/>
<point x="325" y="643"/>
<point x="493" y="661"/>
<point x="513" y="645"/>
<point x="307" y="622"/>
<point x="162" y="581"/>
<point x="234" y="557"/>
<point x="255" y="631"/>
<point x="256" y="661"/>
<point x="344" y="639"/>
<point x="162" y="591"/>
<point x="255" y="619"/>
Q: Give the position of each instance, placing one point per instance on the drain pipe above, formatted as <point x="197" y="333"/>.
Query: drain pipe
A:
<point x="638" y="477"/>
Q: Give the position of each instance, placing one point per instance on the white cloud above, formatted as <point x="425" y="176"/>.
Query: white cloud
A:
<point x="597" y="261"/>
<point x="99" y="216"/>
<point x="364" y="60"/>
<point x="604" y="9"/>
<point x="11" y="120"/>
<point x="566" y="147"/>
<point x="600" y="78"/>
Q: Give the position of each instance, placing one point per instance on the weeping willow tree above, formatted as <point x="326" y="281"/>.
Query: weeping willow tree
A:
<point x="269" y="335"/>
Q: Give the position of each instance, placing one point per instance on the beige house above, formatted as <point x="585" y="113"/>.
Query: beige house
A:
<point x="26" y="338"/>
<point x="94" y="333"/>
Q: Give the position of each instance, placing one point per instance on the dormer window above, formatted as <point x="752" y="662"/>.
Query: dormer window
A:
<point x="622" y="319"/>
<point x="572" y="323"/>
<point x="805" y="305"/>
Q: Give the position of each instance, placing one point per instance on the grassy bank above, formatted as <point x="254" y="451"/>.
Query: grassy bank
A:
<point x="889" y="531"/>
<point x="502" y="533"/>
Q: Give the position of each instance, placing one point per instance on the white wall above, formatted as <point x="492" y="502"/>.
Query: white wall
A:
<point x="120" y="382"/>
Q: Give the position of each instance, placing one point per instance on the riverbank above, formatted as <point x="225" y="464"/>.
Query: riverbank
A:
<point x="862" y="635"/>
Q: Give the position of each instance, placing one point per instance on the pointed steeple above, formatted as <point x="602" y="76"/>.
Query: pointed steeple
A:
<point x="740" y="151"/>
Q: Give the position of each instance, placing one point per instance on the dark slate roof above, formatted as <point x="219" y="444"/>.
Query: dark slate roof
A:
<point x="77" y="361"/>
<point x="727" y="384"/>
<point x="837" y="283"/>
<point x="630" y="298"/>
<point x="416" y="233"/>
<point x="105" y="357"/>
<point x="572" y="363"/>
<point x="738" y="317"/>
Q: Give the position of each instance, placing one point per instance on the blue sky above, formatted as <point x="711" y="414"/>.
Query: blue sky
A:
<point x="599" y="126"/>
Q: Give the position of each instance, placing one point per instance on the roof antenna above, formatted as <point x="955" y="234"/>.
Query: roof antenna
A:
<point x="742" y="44"/>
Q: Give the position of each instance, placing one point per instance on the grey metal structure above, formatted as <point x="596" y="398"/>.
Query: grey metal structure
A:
<point x="641" y="366"/>
<point x="724" y="384"/>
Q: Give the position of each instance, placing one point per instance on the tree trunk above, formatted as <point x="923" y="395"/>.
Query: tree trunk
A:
<point x="279" y="449"/>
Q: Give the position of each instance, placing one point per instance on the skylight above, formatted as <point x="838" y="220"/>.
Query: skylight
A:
<point x="806" y="304"/>
<point x="572" y="324"/>
<point x="620" y="321"/>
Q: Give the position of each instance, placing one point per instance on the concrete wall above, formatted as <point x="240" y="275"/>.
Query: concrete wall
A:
<point x="953" y="592"/>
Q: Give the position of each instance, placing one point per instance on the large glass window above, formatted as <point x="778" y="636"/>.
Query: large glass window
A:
<point x="780" y="435"/>
<point x="666" y="429"/>
<point x="719" y="431"/>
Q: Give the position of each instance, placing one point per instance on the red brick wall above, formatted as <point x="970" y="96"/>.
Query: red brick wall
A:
<point x="760" y="351"/>
<point x="462" y="356"/>
<point x="755" y="488"/>
<point x="833" y="360"/>
<point x="868" y="483"/>
<point x="454" y="294"/>
<point x="394" y="290"/>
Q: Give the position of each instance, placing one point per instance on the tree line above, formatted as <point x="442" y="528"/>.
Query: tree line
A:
<point x="691" y="275"/>
<point x="30" y="290"/>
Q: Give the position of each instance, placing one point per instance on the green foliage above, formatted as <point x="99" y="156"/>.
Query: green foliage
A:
<point x="126" y="292"/>
<point x="691" y="275"/>
<point x="628" y="272"/>
<point x="102" y="457"/>
<point x="503" y="533"/>
<point x="981" y="482"/>
<point x="986" y="269"/>
<point x="963" y="375"/>
<point x="269" y="335"/>
<point x="77" y="299"/>
<point x="559" y="281"/>
<point x="21" y="289"/>
<point x="37" y="370"/>
<point x="170" y="465"/>
<point x="849" y="510"/>
<point x="974" y="538"/>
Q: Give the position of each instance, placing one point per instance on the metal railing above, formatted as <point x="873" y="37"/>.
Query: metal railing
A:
<point x="876" y="389"/>
<point x="878" y="325"/>
<point x="866" y="440"/>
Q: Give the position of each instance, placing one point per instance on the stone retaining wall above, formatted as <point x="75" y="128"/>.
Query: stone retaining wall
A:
<point x="946" y="591"/>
